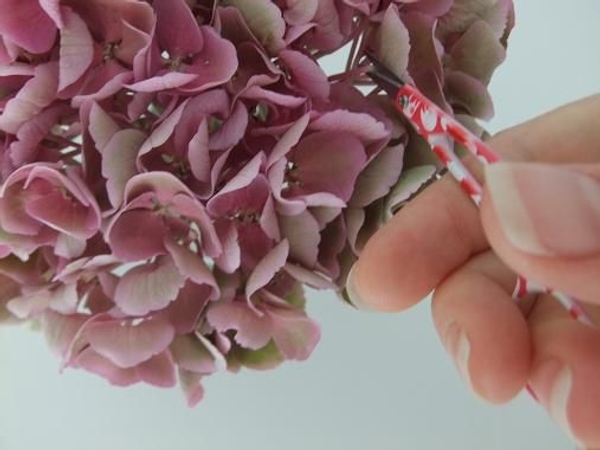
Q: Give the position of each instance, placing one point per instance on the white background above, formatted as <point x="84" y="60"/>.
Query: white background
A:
<point x="375" y="381"/>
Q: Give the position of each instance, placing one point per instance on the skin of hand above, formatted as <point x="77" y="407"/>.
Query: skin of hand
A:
<point x="540" y="217"/>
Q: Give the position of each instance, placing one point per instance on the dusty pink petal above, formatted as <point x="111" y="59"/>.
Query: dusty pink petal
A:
<point x="165" y="82"/>
<point x="119" y="158"/>
<point x="34" y="131"/>
<point x="127" y="344"/>
<point x="191" y="386"/>
<point x="261" y="94"/>
<point x="243" y="178"/>
<point x="194" y="210"/>
<point x="26" y="24"/>
<point x="469" y="94"/>
<point x="190" y="354"/>
<point x="392" y="43"/>
<point x="222" y="343"/>
<point x="212" y="106"/>
<point x="364" y="126"/>
<point x="215" y="65"/>
<point x="13" y="218"/>
<point x="266" y="269"/>
<point x="327" y="35"/>
<point x="198" y="154"/>
<point x="334" y="171"/>
<point x="246" y="199"/>
<point x="232" y="130"/>
<point x="299" y="12"/>
<point x="182" y="39"/>
<point x="60" y="201"/>
<point x="333" y="241"/>
<point x="478" y="52"/>
<point x="294" y="334"/>
<point x="254" y="244"/>
<point x="255" y="68"/>
<point x="434" y="8"/>
<point x="306" y="74"/>
<point x="288" y="140"/>
<point x="61" y="214"/>
<point x="92" y="362"/>
<point x="35" y="95"/>
<point x="268" y="220"/>
<point x="162" y="186"/>
<point x="158" y="371"/>
<point x="302" y="232"/>
<point x="276" y="176"/>
<point x="184" y="312"/>
<point x="251" y="330"/>
<point x="324" y="215"/>
<point x="355" y="219"/>
<point x="85" y="265"/>
<point x="5" y="54"/>
<point x="378" y="177"/>
<point x="230" y="259"/>
<point x="24" y="246"/>
<point x="164" y="130"/>
<point x="64" y="299"/>
<point x="76" y="49"/>
<point x="137" y="234"/>
<point x="309" y="277"/>
<point x="60" y="330"/>
<point x="27" y="306"/>
<point x="465" y="12"/>
<point x="149" y="287"/>
<point x="102" y="127"/>
<point x="52" y="8"/>
<point x="17" y="70"/>
<point x="102" y="82"/>
<point x="424" y="65"/>
<point x="296" y="32"/>
<point x="69" y="246"/>
<point x="192" y="266"/>
<point x="265" y="21"/>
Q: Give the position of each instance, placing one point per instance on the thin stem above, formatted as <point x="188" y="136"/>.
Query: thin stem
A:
<point x="352" y="53"/>
<point x="72" y="153"/>
<point x="61" y="141"/>
<point x="356" y="75"/>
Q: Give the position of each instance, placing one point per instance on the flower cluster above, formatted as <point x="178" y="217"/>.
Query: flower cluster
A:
<point x="173" y="172"/>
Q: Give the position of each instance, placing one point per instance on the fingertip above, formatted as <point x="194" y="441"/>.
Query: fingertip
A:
<point x="484" y="332"/>
<point x="576" y="276"/>
<point x="565" y="377"/>
<point x="421" y="245"/>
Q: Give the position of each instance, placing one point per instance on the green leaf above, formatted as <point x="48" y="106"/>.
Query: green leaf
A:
<point x="264" y="358"/>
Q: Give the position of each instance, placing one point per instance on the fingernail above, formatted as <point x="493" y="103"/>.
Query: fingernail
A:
<point x="456" y="342"/>
<point x="554" y="381"/>
<point x="352" y="292"/>
<point x="546" y="210"/>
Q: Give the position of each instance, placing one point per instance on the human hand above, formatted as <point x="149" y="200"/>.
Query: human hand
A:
<point x="540" y="217"/>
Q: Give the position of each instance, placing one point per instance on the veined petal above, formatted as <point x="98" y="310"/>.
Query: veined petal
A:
<point x="149" y="287"/>
<point x="266" y="269"/>
<point x="76" y="49"/>
<point x="127" y="344"/>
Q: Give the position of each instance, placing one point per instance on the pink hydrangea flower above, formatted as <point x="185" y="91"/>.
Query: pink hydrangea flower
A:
<point x="174" y="172"/>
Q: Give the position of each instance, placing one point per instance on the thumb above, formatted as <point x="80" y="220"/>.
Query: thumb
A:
<point x="544" y="222"/>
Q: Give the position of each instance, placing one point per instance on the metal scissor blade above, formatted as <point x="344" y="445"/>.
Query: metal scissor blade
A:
<point x="383" y="76"/>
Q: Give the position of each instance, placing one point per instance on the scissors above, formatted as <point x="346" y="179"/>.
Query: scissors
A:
<point x="442" y="131"/>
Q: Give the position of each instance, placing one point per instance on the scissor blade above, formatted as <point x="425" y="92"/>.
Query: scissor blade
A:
<point x="389" y="85"/>
<point x="383" y="76"/>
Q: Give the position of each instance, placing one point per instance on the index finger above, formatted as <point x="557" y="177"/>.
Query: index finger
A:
<point x="440" y="230"/>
